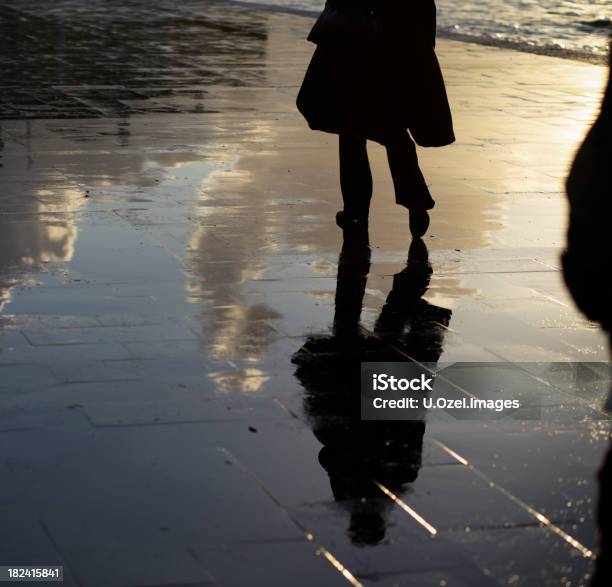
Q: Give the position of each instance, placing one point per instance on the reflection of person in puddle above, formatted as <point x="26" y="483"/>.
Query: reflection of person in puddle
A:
<point x="357" y="454"/>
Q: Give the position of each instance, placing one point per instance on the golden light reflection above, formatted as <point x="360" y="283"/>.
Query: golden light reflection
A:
<point x="222" y="261"/>
<point x="46" y="235"/>
<point x="248" y="380"/>
<point x="404" y="506"/>
<point x="541" y="518"/>
<point x="321" y="550"/>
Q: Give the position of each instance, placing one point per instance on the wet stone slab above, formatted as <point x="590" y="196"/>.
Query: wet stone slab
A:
<point x="116" y="59"/>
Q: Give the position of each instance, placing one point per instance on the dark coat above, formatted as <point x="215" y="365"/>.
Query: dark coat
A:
<point x="377" y="88"/>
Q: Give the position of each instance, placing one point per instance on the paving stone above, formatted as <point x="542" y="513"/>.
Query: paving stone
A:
<point x="274" y="563"/>
<point x="518" y="556"/>
<point x="25" y="542"/>
<point x="553" y="480"/>
<point x="100" y="334"/>
<point x="15" y="379"/>
<point x="150" y="413"/>
<point x="343" y="530"/>
<point x="63" y="353"/>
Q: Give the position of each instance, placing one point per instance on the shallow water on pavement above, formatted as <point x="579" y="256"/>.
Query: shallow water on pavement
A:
<point x="169" y="276"/>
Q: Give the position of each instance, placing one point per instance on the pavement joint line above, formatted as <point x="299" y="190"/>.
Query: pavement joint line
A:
<point x="334" y="562"/>
<point x="411" y="512"/>
<point x="56" y="546"/>
<point x="598" y="408"/>
<point x="286" y="408"/>
<point x="541" y="518"/>
<point x="578" y="399"/>
<point x="320" y="549"/>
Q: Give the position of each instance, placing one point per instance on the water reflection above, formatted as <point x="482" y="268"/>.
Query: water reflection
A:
<point x="114" y="58"/>
<point x="31" y="233"/>
<point x="603" y="565"/>
<point x="359" y="454"/>
<point x="109" y="60"/>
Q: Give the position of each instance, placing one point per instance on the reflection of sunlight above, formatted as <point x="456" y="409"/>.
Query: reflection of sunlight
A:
<point x="573" y="129"/>
<point x="403" y="505"/>
<point x="49" y="238"/>
<point x="242" y="333"/>
<point x="226" y="163"/>
<point x="321" y="550"/>
<point x="261" y="131"/>
<point x="60" y="234"/>
<point x="580" y="113"/>
<point x="5" y="296"/>
<point x="227" y="335"/>
<point x="444" y="289"/>
<point x="64" y="237"/>
<point x="223" y="163"/>
<point x="544" y="521"/>
<point x="321" y="295"/>
<point x="246" y="380"/>
<point x="305" y="248"/>
<point x="323" y="266"/>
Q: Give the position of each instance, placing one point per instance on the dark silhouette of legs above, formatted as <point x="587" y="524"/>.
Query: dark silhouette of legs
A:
<point x="356" y="181"/>
<point x="410" y="188"/>
<point x="411" y="191"/>
<point x="355" y="177"/>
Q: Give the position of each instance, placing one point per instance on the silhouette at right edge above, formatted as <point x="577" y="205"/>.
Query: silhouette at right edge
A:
<point x="375" y="76"/>
<point x="587" y="261"/>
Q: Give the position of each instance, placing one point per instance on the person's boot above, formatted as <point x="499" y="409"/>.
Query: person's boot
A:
<point x="351" y="223"/>
<point x="419" y="221"/>
<point x="421" y="202"/>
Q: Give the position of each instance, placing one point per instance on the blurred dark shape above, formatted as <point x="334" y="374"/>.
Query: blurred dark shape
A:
<point x="359" y="454"/>
<point x="598" y="23"/>
<point x="587" y="259"/>
<point x="586" y="266"/>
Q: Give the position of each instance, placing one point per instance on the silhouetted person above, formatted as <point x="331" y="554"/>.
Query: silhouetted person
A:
<point x="586" y="266"/>
<point x="357" y="453"/>
<point x="588" y="257"/>
<point x="374" y="76"/>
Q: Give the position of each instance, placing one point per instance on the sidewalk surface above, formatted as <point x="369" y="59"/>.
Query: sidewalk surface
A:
<point x="167" y="245"/>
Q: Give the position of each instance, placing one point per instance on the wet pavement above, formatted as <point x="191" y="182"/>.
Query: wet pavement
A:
<point x="179" y="316"/>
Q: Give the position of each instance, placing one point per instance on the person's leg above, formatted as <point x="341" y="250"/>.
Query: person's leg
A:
<point x="411" y="191"/>
<point x="355" y="177"/>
